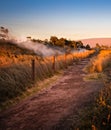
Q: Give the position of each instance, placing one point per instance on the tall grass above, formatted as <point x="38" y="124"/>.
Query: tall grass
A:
<point x="13" y="81"/>
<point x="100" y="112"/>
<point x="16" y="77"/>
<point x="100" y="62"/>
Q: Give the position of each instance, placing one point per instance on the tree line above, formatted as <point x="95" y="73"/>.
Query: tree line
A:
<point x="54" y="41"/>
<point x="61" y="42"/>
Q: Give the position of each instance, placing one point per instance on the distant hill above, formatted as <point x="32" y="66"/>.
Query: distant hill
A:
<point x="92" y="42"/>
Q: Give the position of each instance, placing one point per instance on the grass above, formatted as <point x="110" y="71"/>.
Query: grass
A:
<point x="13" y="81"/>
<point x="100" y="62"/>
<point x="103" y="102"/>
<point x="103" y="108"/>
<point x="16" y="70"/>
<point x="97" y="116"/>
<point x="31" y="91"/>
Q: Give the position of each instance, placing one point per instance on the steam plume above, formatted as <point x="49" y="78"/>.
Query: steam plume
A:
<point x="40" y="49"/>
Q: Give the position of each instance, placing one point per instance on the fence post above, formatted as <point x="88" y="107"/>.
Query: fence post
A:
<point x="65" y="58"/>
<point x="71" y="58"/>
<point x="33" y="70"/>
<point x="53" y="63"/>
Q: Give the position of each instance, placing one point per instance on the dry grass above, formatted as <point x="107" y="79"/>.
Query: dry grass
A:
<point x="100" y="62"/>
<point x="13" y="81"/>
<point x="99" y="114"/>
<point x="102" y="110"/>
<point x="16" y="69"/>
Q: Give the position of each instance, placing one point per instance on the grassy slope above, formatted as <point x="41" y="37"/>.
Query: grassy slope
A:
<point x="11" y="53"/>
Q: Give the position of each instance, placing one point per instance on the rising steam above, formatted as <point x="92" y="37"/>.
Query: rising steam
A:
<point x="40" y="48"/>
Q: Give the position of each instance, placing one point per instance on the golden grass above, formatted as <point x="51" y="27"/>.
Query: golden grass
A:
<point x="100" y="113"/>
<point x="16" y="71"/>
<point x="100" y="62"/>
<point x="102" y="109"/>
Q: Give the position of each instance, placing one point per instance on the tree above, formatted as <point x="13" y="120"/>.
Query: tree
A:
<point x="98" y="46"/>
<point x="4" y="33"/>
<point x="73" y="44"/>
<point x="88" y="47"/>
<point x="61" y="42"/>
<point x="79" y="44"/>
<point x="68" y="43"/>
<point x="53" y="39"/>
<point x="46" y="41"/>
<point x="34" y="40"/>
<point x="28" y="38"/>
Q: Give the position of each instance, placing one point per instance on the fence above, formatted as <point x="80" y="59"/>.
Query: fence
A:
<point x="26" y="70"/>
<point x="47" y="66"/>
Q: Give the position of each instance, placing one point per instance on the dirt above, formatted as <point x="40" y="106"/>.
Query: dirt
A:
<point x="53" y="107"/>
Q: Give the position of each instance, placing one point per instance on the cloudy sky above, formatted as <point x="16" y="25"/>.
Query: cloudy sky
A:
<point x="72" y="19"/>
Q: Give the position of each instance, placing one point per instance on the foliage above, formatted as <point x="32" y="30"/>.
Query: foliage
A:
<point x="88" y="47"/>
<point x="64" y="42"/>
<point x="4" y="33"/>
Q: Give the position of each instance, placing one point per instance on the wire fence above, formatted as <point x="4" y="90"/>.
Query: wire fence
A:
<point x="49" y="65"/>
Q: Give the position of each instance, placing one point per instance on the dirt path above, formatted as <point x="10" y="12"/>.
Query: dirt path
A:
<point x="52" y="108"/>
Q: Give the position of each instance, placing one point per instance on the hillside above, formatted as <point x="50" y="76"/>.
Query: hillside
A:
<point x="11" y="53"/>
<point x="101" y="41"/>
<point x="13" y="48"/>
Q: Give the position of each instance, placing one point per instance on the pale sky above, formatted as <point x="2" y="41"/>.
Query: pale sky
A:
<point x="72" y="19"/>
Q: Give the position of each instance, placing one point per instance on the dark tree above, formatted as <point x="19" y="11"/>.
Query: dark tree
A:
<point x="79" y="44"/>
<point x="88" y="47"/>
<point x="28" y="38"/>
<point x="53" y="39"/>
<point x="4" y="33"/>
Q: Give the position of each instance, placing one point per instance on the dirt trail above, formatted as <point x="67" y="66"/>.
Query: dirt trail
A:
<point x="52" y="108"/>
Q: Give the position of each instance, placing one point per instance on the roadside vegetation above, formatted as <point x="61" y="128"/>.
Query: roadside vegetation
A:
<point x="100" y="62"/>
<point x="98" y="114"/>
<point x="16" y="76"/>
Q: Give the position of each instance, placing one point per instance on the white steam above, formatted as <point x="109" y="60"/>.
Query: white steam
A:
<point x="44" y="50"/>
<point x="40" y="49"/>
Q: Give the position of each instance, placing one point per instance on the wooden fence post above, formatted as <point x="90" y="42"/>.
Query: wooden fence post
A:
<point x="65" y="58"/>
<point x="53" y="63"/>
<point x="33" y="70"/>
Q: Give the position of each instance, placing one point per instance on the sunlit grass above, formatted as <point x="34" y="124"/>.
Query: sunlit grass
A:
<point x="99" y="69"/>
<point x="16" y="71"/>
<point x="102" y="109"/>
<point x="100" y="62"/>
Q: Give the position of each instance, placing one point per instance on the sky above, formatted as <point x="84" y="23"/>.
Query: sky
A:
<point x="71" y="19"/>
